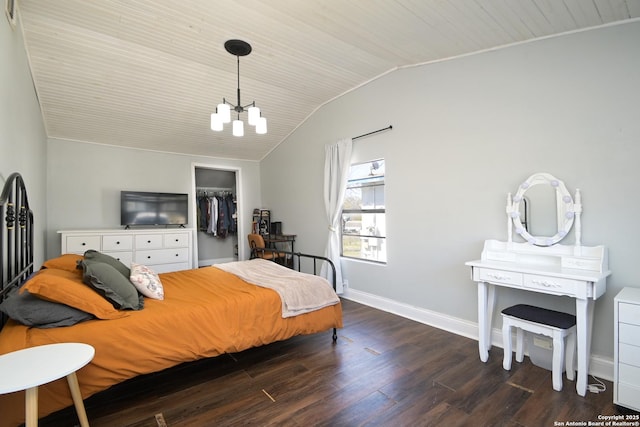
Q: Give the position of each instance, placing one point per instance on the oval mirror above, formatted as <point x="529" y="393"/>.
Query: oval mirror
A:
<point x="550" y="210"/>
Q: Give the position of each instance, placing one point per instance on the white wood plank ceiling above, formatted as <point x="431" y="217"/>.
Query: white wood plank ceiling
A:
<point x="148" y="73"/>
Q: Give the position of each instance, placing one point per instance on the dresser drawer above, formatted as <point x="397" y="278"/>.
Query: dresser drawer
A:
<point x="162" y="256"/>
<point x="80" y="244"/>
<point x="628" y="395"/>
<point x="551" y="284"/>
<point x="629" y="354"/>
<point x="124" y="257"/>
<point x="166" y="268"/>
<point x="629" y="313"/>
<point x="117" y="243"/>
<point x="629" y="374"/>
<point x="176" y="240"/>
<point x="148" y="241"/>
<point x="629" y="334"/>
<point x="500" y="276"/>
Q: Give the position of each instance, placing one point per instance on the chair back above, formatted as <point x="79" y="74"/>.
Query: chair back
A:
<point x="255" y="241"/>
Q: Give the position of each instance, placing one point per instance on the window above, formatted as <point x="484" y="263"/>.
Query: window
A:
<point x="363" y="213"/>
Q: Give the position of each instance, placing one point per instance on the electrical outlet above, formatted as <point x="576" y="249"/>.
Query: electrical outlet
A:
<point x="542" y="343"/>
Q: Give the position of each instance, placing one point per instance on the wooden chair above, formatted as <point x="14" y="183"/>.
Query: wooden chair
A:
<point x="259" y="250"/>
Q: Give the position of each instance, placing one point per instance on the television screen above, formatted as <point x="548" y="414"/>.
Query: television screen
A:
<point x="146" y="208"/>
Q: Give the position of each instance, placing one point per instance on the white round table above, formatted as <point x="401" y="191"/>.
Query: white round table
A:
<point x="31" y="367"/>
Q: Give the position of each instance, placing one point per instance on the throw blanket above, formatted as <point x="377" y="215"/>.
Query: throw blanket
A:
<point x="300" y="292"/>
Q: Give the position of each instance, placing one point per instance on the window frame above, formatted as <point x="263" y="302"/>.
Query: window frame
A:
<point x="374" y="211"/>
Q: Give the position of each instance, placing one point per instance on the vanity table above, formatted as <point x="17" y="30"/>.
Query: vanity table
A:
<point x="540" y="264"/>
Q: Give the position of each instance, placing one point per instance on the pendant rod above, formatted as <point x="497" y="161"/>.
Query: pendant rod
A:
<point x="371" y="133"/>
<point x="239" y="105"/>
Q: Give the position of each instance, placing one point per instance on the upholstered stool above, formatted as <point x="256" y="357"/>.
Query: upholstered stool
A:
<point x="554" y="324"/>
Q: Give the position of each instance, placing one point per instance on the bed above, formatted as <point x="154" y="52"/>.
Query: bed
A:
<point x="203" y="312"/>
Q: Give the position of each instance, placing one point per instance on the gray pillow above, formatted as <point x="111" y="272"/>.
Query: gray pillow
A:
<point x="95" y="256"/>
<point x="112" y="285"/>
<point x="30" y="310"/>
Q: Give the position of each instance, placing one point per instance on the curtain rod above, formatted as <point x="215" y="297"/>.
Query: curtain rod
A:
<point x="371" y="133"/>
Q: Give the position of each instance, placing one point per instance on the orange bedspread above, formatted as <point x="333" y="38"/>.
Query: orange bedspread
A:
<point x="206" y="312"/>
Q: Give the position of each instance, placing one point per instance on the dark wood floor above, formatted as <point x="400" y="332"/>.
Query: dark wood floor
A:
<point x="384" y="371"/>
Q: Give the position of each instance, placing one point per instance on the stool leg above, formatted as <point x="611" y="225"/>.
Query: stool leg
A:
<point x="571" y="356"/>
<point x="519" y="345"/>
<point x="72" y="379"/>
<point x="506" y="344"/>
<point x="31" y="407"/>
<point x="558" y="360"/>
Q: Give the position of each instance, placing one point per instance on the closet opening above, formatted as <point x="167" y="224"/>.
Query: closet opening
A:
<point x="215" y="214"/>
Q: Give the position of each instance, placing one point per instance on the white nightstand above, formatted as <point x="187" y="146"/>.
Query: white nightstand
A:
<point x="29" y="368"/>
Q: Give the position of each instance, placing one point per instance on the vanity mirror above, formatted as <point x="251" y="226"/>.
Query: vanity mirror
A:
<point x="551" y="211"/>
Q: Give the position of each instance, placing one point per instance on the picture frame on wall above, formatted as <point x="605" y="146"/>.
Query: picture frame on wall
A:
<point x="11" y="9"/>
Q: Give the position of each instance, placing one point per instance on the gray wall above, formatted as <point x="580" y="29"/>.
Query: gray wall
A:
<point x="22" y="134"/>
<point x="84" y="183"/>
<point x="465" y="132"/>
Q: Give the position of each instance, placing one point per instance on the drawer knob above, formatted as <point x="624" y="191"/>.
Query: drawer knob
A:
<point x="84" y="244"/>
<point x="148" y="241"/>
<point x="118" y="242"/>
<point x="177" y="240"/>
<point x="177" y="255"/>
<point x="148" y="256"/>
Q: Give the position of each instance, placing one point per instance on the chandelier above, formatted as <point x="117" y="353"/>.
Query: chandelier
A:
<point x="223" y="110"/>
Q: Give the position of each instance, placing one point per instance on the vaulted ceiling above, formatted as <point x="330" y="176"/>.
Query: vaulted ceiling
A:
<point x="148" y="73"/>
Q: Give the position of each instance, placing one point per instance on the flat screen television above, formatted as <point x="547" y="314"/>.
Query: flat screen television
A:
<point x="148" y="208"/>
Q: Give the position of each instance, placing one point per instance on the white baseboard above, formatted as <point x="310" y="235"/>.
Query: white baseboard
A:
<point x="599" y="366"/>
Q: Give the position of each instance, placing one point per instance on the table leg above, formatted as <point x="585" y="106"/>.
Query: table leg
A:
<point x="31" y="407"/>
<point x="72" y="379"/>
<point x="486" y="301"/>
<point x="584" y="323"/>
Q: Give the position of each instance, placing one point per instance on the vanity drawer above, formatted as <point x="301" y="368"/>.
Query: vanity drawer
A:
<point x="149" y="241"/>
<point x="500" y="276"/>
<point x="162" y="256"/>
<point x="176" y="240"/>
<point x="117" y="243"/>
<point x="551" y="284"/>
<point x="80" y="244"/>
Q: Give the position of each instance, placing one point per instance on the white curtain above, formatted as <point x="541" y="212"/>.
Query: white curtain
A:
<point x="336" y="171"/>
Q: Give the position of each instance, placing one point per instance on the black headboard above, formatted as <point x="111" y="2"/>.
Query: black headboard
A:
<point x="16" y="235"/>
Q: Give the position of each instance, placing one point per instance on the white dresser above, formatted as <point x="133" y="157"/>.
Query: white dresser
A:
<point x="626" y="376"/>
<point x="163" y="250"/>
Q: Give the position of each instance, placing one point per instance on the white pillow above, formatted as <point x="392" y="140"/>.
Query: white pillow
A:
<point x="146" y="281"/>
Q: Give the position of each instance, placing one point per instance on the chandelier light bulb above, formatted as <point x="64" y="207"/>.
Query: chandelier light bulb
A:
<point x="261" y="126"/>
<point x="253" y="115"/>
<point x="216" y="122"/>
<point x="238" y="128"/>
